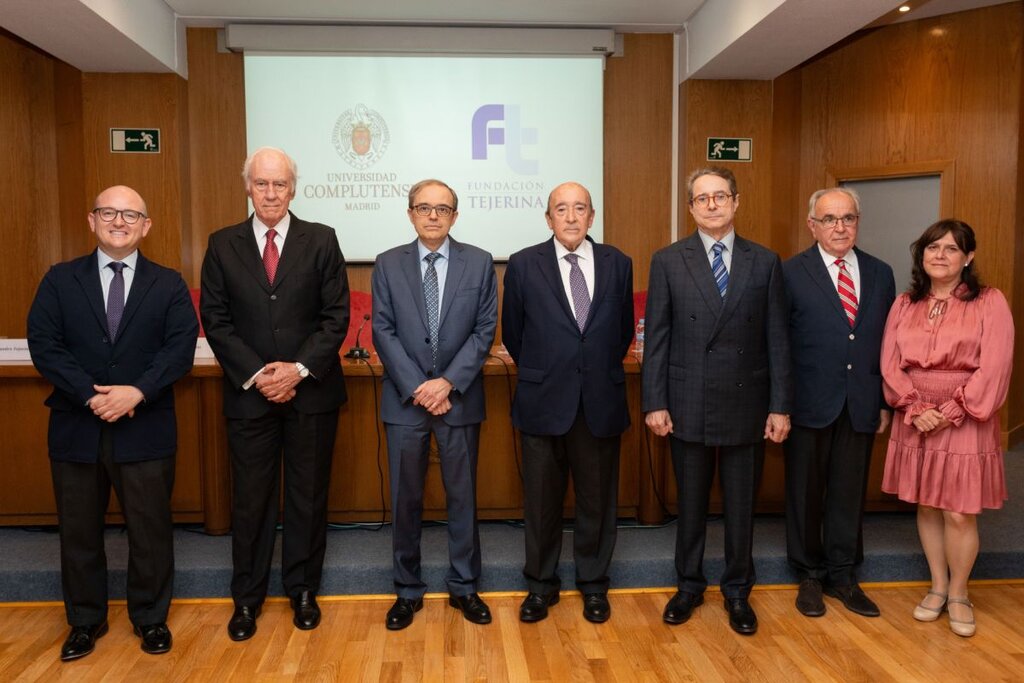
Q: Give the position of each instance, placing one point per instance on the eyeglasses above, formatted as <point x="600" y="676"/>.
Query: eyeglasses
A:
<point x="720" y="198"/>
<point x="443" y="210"/>
<point x="107" y="214"/>
<point x="562" y="210"/>
<point x="830" y="221"/>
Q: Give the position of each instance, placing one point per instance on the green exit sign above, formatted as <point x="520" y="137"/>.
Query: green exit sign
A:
<point x="135" y="140"/>
<point x="730" y="149"/>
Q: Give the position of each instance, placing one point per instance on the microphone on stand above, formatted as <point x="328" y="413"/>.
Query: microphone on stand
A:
<point x="358" y="351"/>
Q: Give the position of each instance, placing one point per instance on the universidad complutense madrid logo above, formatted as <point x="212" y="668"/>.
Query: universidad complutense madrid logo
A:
<point x="360" y="136"/>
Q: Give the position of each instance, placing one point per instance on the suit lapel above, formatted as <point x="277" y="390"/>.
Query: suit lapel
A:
<point x="739" y="275"/>
<point x="601" y="265"/>
<point x="818" y="272"/>
<point x="696" y="260"/>
<point x="411" y="270"/>
<point x="867" y="285"/>
<point x="295" y="246"/>
<point x="88" y="276"/>
<point x="142" y="280"/>
<point x="456" y="269"/>
<point x="248" y="252"/>
<point x="549" y="268"/>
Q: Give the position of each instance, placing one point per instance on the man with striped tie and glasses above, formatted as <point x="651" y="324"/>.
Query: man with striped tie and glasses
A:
<point x="717" y="381"/>
<point x="839" y="298"/>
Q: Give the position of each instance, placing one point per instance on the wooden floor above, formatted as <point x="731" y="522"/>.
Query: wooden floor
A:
<point x="353" y="645"/>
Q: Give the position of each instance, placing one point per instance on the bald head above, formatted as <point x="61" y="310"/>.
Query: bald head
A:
<point x="119" y="221"/>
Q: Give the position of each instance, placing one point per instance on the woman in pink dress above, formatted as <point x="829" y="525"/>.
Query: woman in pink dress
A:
<point x="946" y="359"/>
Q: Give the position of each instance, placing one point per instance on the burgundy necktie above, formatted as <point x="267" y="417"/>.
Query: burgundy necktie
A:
<point x="847" y="294"/>
<point x="271" y="256"/>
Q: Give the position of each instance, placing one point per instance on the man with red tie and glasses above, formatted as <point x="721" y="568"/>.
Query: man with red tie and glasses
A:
<point x="839" y="297"/>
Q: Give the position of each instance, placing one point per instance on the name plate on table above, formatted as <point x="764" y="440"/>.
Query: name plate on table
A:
<point x="14" y="349"/>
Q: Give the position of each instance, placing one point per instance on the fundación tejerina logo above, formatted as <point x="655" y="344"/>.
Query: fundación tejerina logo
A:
<point x="511" y="135"/>
<point x="360" y="136"/>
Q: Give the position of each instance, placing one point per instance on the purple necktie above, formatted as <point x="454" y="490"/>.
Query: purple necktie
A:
<point x="115" y="299"/>
<point x="578" y="287"/>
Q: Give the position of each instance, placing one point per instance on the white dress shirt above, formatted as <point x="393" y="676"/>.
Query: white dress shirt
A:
<point x="729" y="241"/>
<point x="107" y="274"/>
<point x="852" y="268"/>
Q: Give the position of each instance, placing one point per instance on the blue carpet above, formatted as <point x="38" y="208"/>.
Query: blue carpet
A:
<point x="359" y="560"/>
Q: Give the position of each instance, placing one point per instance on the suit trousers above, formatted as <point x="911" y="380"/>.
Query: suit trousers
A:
<point x="143" y="489"/>
<point x="408" y="456"/>
<point x="739" y="473"/>
<point x="594" y="465"/>
<point x="826" y="481"/>
<point x="305" y="443"/>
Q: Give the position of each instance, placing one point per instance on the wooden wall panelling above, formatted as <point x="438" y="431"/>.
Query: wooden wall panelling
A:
<point x="787" y="206"/>
<point x="741" y="109"/>
<point x="638" y="149"/>
<point x="139" y="101"/>
<point x="26" y="490"/>
<point x="28" y="169"/>
<point x="75" y="237"/>
<point x="216" y="124"/>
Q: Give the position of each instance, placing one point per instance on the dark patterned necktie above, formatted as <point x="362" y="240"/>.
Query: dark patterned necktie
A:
<point x="718" y="268"/>
<point x="115" y="299"/>
<point x="578" y="288"/>
<point x="271" y="255"/>
<point x="431" y="294"/>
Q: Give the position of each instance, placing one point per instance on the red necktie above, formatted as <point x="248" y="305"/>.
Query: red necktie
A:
<point x="271" y="256"/>
<point x="847" y="294"/>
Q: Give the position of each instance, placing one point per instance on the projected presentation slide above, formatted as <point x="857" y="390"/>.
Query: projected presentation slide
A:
<point x="501" y="131"/>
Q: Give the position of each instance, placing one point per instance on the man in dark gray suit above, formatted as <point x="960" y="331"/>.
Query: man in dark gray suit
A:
<point x="716" y="378"/>
<point x="275" y="309"/>
<point x="839" y="298"/>
<point x="435" y="309"/>
<point x="567" y="321"/>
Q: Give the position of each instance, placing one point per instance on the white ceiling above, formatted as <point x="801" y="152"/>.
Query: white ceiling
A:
<point x="757" y="39"/>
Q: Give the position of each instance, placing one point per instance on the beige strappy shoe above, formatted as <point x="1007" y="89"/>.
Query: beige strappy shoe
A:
<point x="924" y="613"/>
<point x="964" y="629"/>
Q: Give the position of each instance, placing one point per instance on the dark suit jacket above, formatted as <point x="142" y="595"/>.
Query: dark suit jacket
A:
<point x="718" y="366"/>
<point x="401" y="335"/>
<point x="833" y="364"/>
<point x="70" y="346"/>
<point x="303" y="317"/>
<point x="558" y="364"/>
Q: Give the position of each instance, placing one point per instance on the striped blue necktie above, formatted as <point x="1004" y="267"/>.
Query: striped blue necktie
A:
<point x="718" y="268"/>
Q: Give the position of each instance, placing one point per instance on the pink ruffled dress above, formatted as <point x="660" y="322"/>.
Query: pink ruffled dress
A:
<point x="958" y="362"/>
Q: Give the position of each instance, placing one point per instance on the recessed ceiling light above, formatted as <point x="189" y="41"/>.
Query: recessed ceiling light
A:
<point x="904" y="8"/>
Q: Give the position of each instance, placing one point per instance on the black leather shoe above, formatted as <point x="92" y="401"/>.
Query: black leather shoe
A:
<point x="473" y="608"/>
<point x="596" y="608"/>
<point x="307" y="612"/>
<point x="854" y="599"/>
<point x="808" y="598"/>
<point x="535" y="606"/>
<point x="401" y="613"/>
<point x="156" y="638"/>
<point x="741" y="616"/>
<point x="243" y="623"/>
<point x="681" y="607"/>
<point x="81" y="641"/>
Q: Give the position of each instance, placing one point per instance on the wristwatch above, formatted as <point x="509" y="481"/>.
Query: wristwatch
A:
<point x="302" y="369"/>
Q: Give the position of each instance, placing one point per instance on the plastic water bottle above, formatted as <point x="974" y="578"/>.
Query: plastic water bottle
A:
<point x="639" y="346"/>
